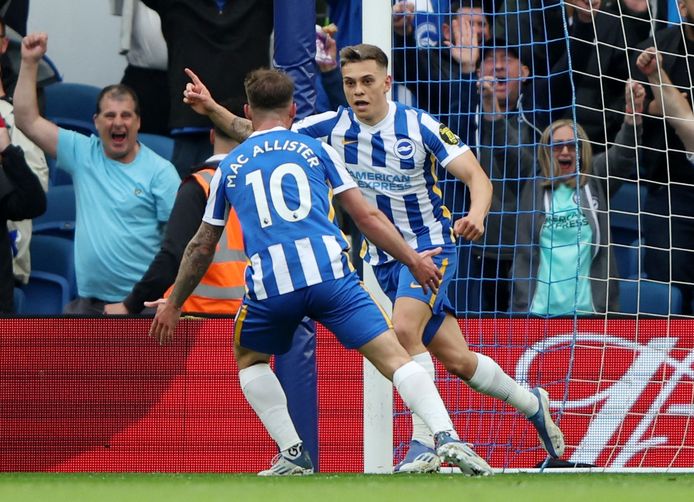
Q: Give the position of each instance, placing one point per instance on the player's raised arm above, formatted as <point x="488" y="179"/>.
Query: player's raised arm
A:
<point x="199" y="98"/>
<point x="466" y="168"/>
<point x="379" y="230"/>
<point x="196" y="260"/>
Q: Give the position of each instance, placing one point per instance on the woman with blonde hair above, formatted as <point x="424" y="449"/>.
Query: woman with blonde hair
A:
<point x="563" y="255"/>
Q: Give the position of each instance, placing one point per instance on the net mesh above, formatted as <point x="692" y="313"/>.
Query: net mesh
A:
<point x="591" y="219"/>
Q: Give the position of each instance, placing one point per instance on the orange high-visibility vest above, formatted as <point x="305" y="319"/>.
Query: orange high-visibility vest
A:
<point x="221" y="289"/>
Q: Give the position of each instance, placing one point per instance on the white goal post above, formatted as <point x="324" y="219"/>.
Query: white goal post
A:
<point x="378" y="391"/>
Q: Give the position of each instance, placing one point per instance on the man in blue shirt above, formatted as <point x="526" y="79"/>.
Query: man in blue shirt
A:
<point x="124" y="190"/>
<point x="280" y="184"/>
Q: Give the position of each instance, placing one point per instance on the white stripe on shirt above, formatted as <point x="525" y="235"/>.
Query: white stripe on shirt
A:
<point x="257" y="277"/>
<point x="335" y="253"/>
<point x="309" y="264"/>
<point x="280" y="269"/>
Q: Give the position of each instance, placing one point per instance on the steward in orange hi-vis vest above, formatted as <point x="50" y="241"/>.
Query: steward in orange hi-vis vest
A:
<point x="222" y="288"/>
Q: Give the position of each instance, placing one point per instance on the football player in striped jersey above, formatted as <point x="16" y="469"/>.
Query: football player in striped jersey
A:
<point x="390" y="150"/>
<point x="281" y="184"/>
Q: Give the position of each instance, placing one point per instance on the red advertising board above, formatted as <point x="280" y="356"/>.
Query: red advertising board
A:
<point x="99" y="395"/>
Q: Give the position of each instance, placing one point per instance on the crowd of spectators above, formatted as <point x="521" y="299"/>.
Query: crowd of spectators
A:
<point x="533" y="74"/>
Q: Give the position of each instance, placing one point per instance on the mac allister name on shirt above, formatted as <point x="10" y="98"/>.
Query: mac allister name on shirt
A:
<point x="272" y="146"/>
<point x="382" y="181"/>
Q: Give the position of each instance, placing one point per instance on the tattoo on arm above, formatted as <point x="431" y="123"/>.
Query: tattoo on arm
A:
<point x="196" y="259"/>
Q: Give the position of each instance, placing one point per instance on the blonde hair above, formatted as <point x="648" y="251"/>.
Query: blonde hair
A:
<point x="584" y="154"/>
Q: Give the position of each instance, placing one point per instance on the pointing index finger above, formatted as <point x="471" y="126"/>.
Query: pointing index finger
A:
<point x="192" y="76"/>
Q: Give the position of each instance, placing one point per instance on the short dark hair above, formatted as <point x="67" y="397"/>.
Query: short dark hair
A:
<point x="467" y="4"/>
<point x="269" y="89"/>
<point x="363" y="52"/>
<point x="117" y="91"/>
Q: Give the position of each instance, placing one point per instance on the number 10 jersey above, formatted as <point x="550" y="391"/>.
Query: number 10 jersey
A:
<point x="281" y="185"/>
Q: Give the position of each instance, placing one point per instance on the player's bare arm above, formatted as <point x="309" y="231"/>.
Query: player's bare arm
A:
<point x="196" y="260"/>
<point x="379" y="230"/>
<point x="198" y="97"/>
<point x="466" y="168"/>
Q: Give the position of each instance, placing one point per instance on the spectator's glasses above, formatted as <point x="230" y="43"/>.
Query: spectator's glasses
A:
<point x="559" y="146"/>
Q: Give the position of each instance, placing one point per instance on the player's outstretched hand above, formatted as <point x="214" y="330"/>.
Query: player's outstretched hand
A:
<point x="165" y="321"/>
<point x="197" y="96"/>
<point x="426" y="272"/>
<point x="469" y="228"/>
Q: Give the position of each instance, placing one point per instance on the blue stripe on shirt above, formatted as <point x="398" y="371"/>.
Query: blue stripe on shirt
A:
<point x="383" y="203"/>
<point x="378" y="151"/>
<point x="291" y="255"/>
<point x="431" y="184"/>
<point x="351" y="143"/>
<point x="414" y="217"/>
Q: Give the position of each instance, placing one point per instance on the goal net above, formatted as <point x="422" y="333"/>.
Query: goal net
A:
<point x="583" y="280"/>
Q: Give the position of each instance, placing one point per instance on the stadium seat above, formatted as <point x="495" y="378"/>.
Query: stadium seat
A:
<point x="628" y="258"/>
<point x="59" y="218"/>
<point x="625" y="205"/>
<point x="57" y="176"/>
<point x="18" y="300"/>
<point x="162" y="145"/>
<point x="71" y="105"/>
<point x="649" y="297"/>
<point x="46" y="294"/>
<point x="55" y="255"/>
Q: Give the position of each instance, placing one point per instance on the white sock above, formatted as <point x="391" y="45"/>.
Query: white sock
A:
<point x="264" y="393"/>
<point x="491" y="380"/>
<point x="419" y="393"/>
<point x="420" y="431"/>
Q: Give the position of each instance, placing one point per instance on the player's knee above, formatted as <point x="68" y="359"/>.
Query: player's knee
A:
<point x="408" y="335"/>
<point x="460" y="363"/>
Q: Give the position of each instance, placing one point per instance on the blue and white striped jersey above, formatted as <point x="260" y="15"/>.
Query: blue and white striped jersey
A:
<point x="394" y="165"/>
<point x="281" y="185"/>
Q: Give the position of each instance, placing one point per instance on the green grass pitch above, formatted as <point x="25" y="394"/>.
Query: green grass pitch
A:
<point x="24" y="487"/>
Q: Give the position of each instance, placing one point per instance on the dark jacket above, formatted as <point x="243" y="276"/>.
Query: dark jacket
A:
<point x="507" y="155"/>
<point x="220" y="46"/>
<point x="21" y="197"/>
<point x="593" y="72"/>
<point x="663" y="157"/>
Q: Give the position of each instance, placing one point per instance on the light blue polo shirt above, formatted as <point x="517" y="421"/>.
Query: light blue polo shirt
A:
<point x="563" y="284"/>
<point x="121" y="209"/>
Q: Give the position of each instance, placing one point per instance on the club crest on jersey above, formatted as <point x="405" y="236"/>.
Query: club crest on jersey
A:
<point x="447" y="135"/>
<point x="404" y="148"/>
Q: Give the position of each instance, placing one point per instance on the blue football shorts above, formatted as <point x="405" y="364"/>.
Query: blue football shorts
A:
<point x="344" y="306"/>
<point x="397" y="281"/>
